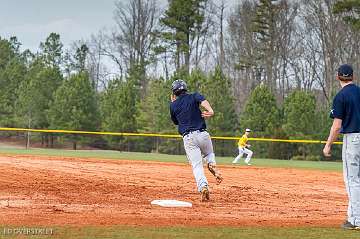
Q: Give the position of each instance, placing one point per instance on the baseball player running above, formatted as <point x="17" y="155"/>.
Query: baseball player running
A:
<point x="185" y="112"/>
<point x="346" y="120"/>
<point x="243" y="148"/>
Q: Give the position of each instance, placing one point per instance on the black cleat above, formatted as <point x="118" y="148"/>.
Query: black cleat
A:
<point x="348" y="226"/>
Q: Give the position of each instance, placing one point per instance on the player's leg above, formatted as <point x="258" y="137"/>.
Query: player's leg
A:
<point x="193" y="154"/>
<point x="241" y="152"/>
<point x="345" y="174"/>
<point x="351" y="166"/>
<point x="249" y="154"/>
<point x="207" y="151"/>
<point x="206" y="147"/>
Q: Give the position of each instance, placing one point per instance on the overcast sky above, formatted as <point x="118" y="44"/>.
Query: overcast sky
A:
<point x="33" y="20"/>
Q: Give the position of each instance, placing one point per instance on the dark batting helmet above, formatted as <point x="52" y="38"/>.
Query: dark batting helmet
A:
<point x="178" y="87"/>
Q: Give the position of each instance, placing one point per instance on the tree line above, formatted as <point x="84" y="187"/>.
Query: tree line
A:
<point x="265" y="65"/>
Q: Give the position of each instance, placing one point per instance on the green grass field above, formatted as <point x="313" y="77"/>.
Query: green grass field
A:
<point x="122" y="232"/>
<point x="109" y="154"/>
<point x="185" y="232"/>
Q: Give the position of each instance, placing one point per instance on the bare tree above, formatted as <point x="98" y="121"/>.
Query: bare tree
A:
<point x="265" y="55"/>
<point x="201" y="45"/>
<point x="240" y="46"/>
<point x="330" y="40"/>
<point x="221" y="37"/>
<point x="214" y="53"/>
<point x="285" y="45"/>
<point x="128" y="44"/>
<point x="135" y="23"/>
<point x="302" y="49"/>
<point x="104" y="56"/>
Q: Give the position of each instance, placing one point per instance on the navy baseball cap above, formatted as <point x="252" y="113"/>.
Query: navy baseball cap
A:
<point x="345" y="72"/>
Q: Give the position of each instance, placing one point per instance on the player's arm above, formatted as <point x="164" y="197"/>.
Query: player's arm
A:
<point x="247" y="145"/>
<point x="337" y="113"/>
<point x="209" y="111"/>
<point x="334" y="133"/>
<point x="173" y="118"/>
<point x="205" y="104"/>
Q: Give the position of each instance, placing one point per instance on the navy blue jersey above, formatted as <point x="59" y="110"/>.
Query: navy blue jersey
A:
<point x="185" y="113"/>
<point x="346" y="106"/>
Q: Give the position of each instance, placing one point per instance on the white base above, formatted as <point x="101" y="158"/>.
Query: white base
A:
<point x="171" y="203"/>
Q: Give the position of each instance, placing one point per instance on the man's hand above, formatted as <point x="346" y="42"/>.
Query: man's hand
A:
<point x="207" y="114"/>
<point x="172" y="98"/>
<point x="334" y="132"/>
<point x="327" y="151"/>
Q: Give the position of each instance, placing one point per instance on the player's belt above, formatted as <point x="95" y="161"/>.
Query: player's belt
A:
<point x="193" y="131"/>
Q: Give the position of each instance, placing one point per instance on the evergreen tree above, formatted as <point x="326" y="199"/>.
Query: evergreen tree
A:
<point x="301" y="121"/>
<point x="12" y="72"/>
<point x="6" y="53"/>
<point x="351" y="10"/>
<point x="261" y="113"/>
<point x="52" y="50"/>
<point x="196" y="80"/>
<point x="184" y="19"/>
<point x="80" y="57"/>
<point x="35" y="94"/>
<point x="15" y="45"/>
<point x="300" y="114"/>
<point x="263" y="117"/>
<point x="217" y="90"/>
<point x="118" y="105"/>
<point x="75" y="106"/>
<point x="153" y="116"/>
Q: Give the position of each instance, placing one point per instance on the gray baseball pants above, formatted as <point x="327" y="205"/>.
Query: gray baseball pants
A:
<point x="198" y="147"/>
<point x="351" y="168"/>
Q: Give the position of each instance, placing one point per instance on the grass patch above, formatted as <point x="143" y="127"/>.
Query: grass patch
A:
<point x="125" y="232"/>
<point x="110" y="154"/>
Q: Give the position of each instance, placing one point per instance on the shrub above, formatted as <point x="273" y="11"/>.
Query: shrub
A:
<point x="306" y="158"/>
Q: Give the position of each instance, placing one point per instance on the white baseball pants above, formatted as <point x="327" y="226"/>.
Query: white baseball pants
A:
<point x="351" y="169"/>
<point x="242" y="151"/>
<point x="198" y="147"/>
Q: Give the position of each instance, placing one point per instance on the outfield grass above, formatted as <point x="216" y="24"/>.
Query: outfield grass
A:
<point x="127" y="232"/>
<point x="109" y="154"/>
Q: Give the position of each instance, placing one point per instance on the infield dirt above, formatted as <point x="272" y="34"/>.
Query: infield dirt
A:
<point x="38" y="190"/>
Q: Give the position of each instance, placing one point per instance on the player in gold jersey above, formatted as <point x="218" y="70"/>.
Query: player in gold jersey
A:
<point x="243" y="148"/>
